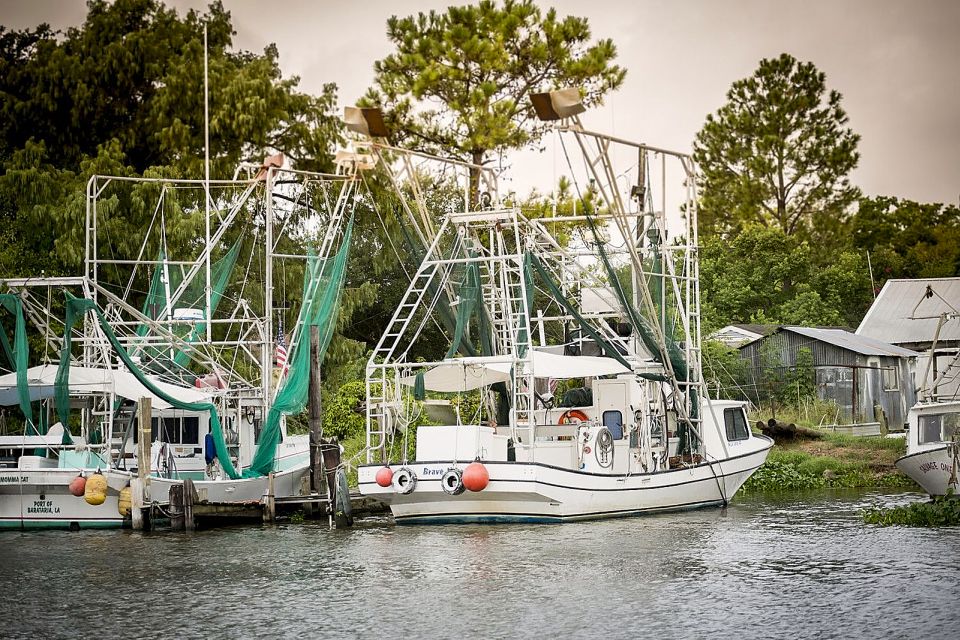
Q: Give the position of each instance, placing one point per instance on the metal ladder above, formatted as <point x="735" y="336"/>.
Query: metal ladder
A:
<point x="380" y="418"/>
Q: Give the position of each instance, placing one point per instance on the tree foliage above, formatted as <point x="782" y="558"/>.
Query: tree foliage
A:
<point x="777" y="153"/>
<point x="764" y="275"/>
<point x="458" y="81"/>
<point x="908" y="239"/>
<point x="123" y="95"/>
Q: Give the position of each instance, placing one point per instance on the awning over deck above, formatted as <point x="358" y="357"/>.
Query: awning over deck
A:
<point x="87" y="380"/>
<point x="466" y="375"/>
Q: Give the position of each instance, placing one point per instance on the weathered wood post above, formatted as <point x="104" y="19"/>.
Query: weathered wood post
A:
<point x="176" y="507"/>
<point x="330" y="450"/>
<point x="316" y="426"/>
<point x="140" y="485"/>
<point x="270" y="502"/>
<point x="189" y="496"/>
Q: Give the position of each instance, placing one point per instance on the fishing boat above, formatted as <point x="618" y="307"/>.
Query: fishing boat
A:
<point x="933" y="430"/>
<point x="197" y="336"/>
<point x="579" y="360"/>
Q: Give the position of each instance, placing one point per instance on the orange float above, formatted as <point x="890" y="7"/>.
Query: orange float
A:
<point x="384" y="476"/>
<point x="78" y="485"/>
<point x="476" y="477"/>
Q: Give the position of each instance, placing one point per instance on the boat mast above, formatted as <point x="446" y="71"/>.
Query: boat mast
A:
<point x="206" y="181"/>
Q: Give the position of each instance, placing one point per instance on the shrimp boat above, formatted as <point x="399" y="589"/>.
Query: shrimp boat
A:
<point x="580" y="359"/>
<point x="933" y="432"/>
<point x="195" y="334"/>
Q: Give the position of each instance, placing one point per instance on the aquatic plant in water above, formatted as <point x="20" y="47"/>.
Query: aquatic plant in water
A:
<point x="942" y="511"/>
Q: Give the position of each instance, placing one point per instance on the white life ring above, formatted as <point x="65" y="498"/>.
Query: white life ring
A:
<point x="404" y="481"/>
<point x="452" y="481"/>
<point x="603" y="448"/>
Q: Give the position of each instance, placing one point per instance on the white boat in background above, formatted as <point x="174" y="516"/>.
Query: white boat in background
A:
<point x="933" y="428"/>
<point x="635" y="431"/>
<point x="933" y="447"/>
<point x="35" y="489"/>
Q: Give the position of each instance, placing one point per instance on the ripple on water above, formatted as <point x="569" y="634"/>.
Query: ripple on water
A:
<point x="800" y="565"/>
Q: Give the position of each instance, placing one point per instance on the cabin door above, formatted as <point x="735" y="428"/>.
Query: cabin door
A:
<point x="612" y="407"/>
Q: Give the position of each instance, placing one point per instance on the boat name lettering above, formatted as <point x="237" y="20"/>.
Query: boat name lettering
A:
<point x="14" y="479"/>
<point x="934" y="466"/>
<point x="427" y="471"/>
<point x="43" y="506"/>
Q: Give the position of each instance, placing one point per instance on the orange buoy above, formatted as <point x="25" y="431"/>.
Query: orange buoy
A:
<point x="476" y="477"/>
<point x="384" y="476"/>
<point x="77" y="485"/>
<point x="95" y="491"/>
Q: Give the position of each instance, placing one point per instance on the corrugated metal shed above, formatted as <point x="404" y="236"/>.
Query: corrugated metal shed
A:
<point x="852" y="342"/>
<point x="889" y="318"/>
<point x="860" y="374"/>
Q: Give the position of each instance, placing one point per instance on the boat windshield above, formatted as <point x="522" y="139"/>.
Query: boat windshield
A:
<point x="939" y="427"/>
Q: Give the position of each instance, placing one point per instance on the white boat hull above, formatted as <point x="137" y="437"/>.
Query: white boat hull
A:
<point x="533" y="492"/>
<point x="40" y="498"/>
<point x="243" y="490"/>
<point x="932" y="469"/>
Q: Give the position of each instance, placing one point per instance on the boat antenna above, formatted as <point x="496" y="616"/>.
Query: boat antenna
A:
<point x="206" y="175"/>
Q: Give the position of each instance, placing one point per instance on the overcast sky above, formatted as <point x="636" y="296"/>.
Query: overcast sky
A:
<point x="896" y="63"/>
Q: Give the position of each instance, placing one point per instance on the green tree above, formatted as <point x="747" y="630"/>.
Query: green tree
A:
<point x="800" y="383"/>
<point x="724" y="371"/>
<point x="908" y="239"/>
<point x="764" y="275"/>
<point x="458" y="82"/>
<point x="123" y="95"/>
<point x="778" y="153"/>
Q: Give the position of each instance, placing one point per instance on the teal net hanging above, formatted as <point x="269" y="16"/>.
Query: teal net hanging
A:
<point x="194" y="296"/>
<point x="323" y="286"/>
<point x="643" y="328"/>
<point x="76" y="308"/>
<point x="553" y="289"/>
<point x="19" y="356"/>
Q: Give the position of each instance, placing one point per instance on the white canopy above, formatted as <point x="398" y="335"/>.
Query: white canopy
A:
<point x="452" y="377"/>
<point x="553" y="365"/>
<point x="86" y="380"/>
<point x="472" y="374"/>
<point x="52" y="438"/>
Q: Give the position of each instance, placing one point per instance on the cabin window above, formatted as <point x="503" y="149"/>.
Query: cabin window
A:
<point x="939" y="427"/>
<point x="171" y="430"/>
<point x="891" y="381"/>
<point x="191" y="430"/>
<point x="613" y="420"/>
<point x="736" y="424"/>
<point x="153" y="429"/>
<point x="175" y="430"/>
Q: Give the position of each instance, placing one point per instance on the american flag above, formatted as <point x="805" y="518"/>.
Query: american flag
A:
<point x="281" y="353"/>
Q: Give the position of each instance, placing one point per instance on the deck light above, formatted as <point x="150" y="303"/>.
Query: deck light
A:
<point x="365" y="120"/>
<point x="557" y="105"/>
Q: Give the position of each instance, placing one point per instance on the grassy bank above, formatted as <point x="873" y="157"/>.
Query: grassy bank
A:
<point x="834" y="461"/>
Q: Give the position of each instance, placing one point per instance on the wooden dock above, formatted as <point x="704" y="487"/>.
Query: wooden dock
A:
<point x="186" y="512"/>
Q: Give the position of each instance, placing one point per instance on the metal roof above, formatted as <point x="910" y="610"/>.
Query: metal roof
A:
<point x="853" y="342"/>
<point x="903" y="313"/>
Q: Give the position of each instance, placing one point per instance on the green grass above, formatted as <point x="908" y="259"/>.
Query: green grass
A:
<point x="792" y="469"/>
<point x="876" y="443"/>
<point x="939" y="512"/>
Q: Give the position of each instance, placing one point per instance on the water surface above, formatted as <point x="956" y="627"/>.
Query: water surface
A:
<point x="790" y="566"/>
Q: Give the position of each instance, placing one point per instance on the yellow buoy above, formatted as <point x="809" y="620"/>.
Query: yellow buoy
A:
<point x="124" y="504"/>
<point x="96" y="490"/>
